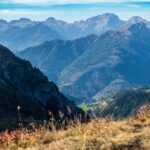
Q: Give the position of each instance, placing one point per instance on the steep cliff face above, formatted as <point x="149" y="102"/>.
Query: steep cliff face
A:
<point x="25" y="86"/>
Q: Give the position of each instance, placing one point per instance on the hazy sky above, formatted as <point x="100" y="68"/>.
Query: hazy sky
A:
<point x="72" y="10"/>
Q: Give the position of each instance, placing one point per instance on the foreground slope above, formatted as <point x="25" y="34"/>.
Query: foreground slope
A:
<point x="27" y="87"/>
<point x="128" y="134"/>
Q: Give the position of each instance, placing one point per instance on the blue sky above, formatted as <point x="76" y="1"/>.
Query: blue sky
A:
<point x="72" y="10"/>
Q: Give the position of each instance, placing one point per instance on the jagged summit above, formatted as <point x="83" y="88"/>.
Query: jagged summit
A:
<point x="51" y="19"/>
<point x="137" y="27"/>
<point x="135" y="20"/>
<point x="28" y="33"/>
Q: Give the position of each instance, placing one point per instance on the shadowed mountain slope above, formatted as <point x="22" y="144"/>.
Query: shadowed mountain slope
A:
<point x="27" y="87"/>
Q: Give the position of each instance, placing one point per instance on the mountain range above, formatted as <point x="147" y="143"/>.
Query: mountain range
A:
<point x="24" y="86"/>
<point x="96" y="65"/>
<point x="23" y="33"/>
<point x="96" y="58"/>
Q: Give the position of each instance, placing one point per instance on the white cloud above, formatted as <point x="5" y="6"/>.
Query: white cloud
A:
<point x="69" y="1"/>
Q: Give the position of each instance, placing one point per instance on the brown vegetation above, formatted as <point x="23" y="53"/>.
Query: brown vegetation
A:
<point x="102" y="134"/>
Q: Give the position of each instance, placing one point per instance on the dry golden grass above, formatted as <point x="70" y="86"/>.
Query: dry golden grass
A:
<point x="102" y="134"/>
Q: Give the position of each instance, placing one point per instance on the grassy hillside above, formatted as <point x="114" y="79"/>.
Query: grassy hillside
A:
<point x="129" y="134"/>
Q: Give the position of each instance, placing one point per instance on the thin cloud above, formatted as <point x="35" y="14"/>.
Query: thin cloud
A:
<point x="39" y="10"/>
<point x="68" y="1"/>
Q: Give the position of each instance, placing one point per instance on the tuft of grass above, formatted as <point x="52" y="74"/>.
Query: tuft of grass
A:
<point x="101" y="134"/>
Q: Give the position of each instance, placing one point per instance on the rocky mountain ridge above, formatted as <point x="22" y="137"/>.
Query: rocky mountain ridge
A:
<point x="23" y="33"/>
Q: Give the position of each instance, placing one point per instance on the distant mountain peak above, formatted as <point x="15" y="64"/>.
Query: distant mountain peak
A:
<point x="135" y="23"/>
<point x="22" y="23"/>
<point x="105" y="15"/>
<point x="25" y="19"/>
<point x="20" y="20"/>
<point x="136" y="19"/>
<point x="3" y="25"/>
<point x="3" y="21"/>
<point x="109" y="15"/>
<point x="138" y="27"/>
<point x="50" y="19"/>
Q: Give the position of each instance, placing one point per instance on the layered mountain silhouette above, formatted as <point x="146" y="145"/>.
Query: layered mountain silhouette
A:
<point x="96" y="65"/>
<point x="25" y="86"/>
<point x="23" y="33"/>
<point x="52" y="57"/>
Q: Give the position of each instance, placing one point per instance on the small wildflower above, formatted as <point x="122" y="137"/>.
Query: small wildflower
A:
<point x="18" y="108"/>
<point x="20" y="124"/>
